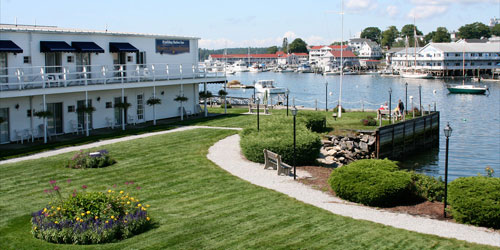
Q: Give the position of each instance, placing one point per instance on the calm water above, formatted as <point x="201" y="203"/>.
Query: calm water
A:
<point x="475" y="119"/>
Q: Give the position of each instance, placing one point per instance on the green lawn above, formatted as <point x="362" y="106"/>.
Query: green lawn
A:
<point x="196" y="204"/>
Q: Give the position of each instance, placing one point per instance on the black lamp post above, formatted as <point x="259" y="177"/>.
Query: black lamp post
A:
<point x="287" y="94"/>
<point x="447" y="134"/>
<point x="294" y="113"/>
<point x="254" y="96"/>
<point x="406" y="97"/>
<point x="390" y="106"/>
<point x="258" y="112"/>
<point x="326" y="96"/>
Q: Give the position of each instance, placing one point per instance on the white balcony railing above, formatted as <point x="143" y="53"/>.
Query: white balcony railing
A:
<point x="58" y="76"/>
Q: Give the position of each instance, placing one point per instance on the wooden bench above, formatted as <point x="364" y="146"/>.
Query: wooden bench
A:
<point x="273" y="160"/>
<point x="382" y="113"/>
<point x="253" y="107"/>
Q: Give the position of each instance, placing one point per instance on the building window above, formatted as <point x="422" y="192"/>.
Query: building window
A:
<point x="129" y="58"/>
<point x="480" y="54"/>
<point x="456" y="54"/>
<point x="28" y="112"/>
<point x="70" y="59"/>
<point x="472" y="64"/>
<point x="489" y="63"/>
<point x="457" y="64"/>
<point x="27" y="59"/>
<point x="141" y="58"/>
<point x="109" y="105"/>
<point x="71" y="108"/>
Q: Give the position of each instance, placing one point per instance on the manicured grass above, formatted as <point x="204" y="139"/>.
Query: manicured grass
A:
<point x="195" y="204"/>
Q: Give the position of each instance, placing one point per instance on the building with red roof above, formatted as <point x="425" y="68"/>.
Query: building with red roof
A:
<point x="316" y="52"/>
<point x="278" y="58"/>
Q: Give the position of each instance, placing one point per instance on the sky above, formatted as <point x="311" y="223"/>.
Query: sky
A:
<point x="256" y="23"/>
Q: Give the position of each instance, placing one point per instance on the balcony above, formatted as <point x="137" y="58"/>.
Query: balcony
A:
<point x="56" y="77"/>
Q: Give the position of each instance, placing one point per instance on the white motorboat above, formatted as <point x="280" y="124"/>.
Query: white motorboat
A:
<point x="267" y="86"/>
<point x="255" y="69"/>
<point x="240" y="66"/>
<point x="416" y="75"/>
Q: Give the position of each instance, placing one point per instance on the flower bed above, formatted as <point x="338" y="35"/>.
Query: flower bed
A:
<point x="99" y="159"/>
<point x="90" y="217"/>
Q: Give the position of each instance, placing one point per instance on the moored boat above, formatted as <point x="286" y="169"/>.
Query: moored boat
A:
<point x="264" y="86"/>
<point x="466" y="89"/>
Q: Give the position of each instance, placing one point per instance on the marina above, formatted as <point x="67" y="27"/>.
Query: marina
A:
<point x="475" y="143"/>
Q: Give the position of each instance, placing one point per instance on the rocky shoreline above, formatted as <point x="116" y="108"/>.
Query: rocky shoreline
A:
<point x="341" y="150"/>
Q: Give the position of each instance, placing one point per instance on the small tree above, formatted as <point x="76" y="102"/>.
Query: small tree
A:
<point x="152" y="102"/>
<point x="181" y="99"/>
<point x="223" y="93"/>
<point x="205" y="95"/>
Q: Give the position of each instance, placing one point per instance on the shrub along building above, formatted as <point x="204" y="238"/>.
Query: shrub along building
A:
<point x="92" y="79"/>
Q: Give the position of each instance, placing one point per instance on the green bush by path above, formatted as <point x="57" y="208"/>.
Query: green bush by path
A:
<point x="276" y="135"/>
<point x="367" y="183"/>
<point x="476" y="200"/>
<point x="427" y="187"/>
<point x="314" y="121"/>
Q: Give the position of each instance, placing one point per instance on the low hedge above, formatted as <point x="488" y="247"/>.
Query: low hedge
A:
<point x="371" y="182"/>
<point x="380" y="183"/>
<point x="476" y="200"/>
<point x="276" y="135"/>
<point x="314" y="121"/>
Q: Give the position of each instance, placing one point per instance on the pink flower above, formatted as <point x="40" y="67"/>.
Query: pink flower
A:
<point x="52" y="182"/>
<point x="126" y="183"/>
<point x="56" y="188"/>
<point x="131" y="183"/>
<point x="45" y="191"/>
<point x="84" y="186"/>
<point x="68" y="181"/>
<point x="114" y="185"/>
<point x="138" y="187"/>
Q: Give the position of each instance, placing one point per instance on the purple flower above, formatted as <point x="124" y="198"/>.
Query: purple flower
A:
<point x="84" y="186"/>
<point x="68" y="181"/>
<point x="45" y="191"/>
<point x="126" y="183"/>
<point x="52" y="182"/>
<point x="131" y="183"/>
<point x="56" y="188"/>
<point x="138" y="187"/>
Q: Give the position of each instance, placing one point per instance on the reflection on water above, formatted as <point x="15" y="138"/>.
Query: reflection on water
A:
<point x="475" y="119"/>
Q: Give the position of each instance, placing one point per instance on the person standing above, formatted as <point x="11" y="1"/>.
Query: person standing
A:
<point x="401" y="109"/>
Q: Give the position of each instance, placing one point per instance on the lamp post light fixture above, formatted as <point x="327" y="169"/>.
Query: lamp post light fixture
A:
<point x="287" y="94"/>
<point x="447" y="134"/>
<point x="390" y="106"/>
<point x="294" y="113"/>
<point x="258" y="111"/>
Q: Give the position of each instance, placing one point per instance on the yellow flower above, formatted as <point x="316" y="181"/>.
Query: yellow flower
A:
<point x="52" y="207"/>
<point x="58" y="208"/>
<point x="96" y="217"/>
<point x="109" y="191"/>
<point x="106" y="222"/>
<point x="77" y="218"/>
<point x="137" y="200"/>
<point x="139" y="205"/>
<point x="147" y="205"/>
<point x="128" y="202"/>
<point x="56" y="222"/>
<point x="126" y="213"/>
<point x="121" y="192"/>
<point x="112" y="217"/>
<point x="81" y="220"/>
<point x="88" y="212"/>
<point x="147" y="218"/>
<point x="125" y="221"/>
<point x="35" y="228"/>
<point x="83" y="214"/>
<point x="143" y="209"/>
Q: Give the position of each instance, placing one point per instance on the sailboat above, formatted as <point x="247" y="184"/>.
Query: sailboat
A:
<point x="414" y="73"/>
<point x="465" y="88"/>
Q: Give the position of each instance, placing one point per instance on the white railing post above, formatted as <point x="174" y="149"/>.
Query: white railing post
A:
<point x="42" y="73"/>
<point x="153" y="71"/>
<point x="121" y="73"/>
<point x="85" y="75"/>
<point x="180" y="69"/>
<point x="168" y="73"/>
<point x="19" y="74"/>
<point x="65" y="72"/>
<point x="194" y="73"/>
<point x="103" y="71"/>
<point x="138" y="72"/>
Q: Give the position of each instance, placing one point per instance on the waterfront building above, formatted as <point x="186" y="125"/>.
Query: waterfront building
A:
<point x="270" y="59"/>
<point x="317" y="52"/>
<point x="46" y="68"/>
<point x="331" y="60"/>
<point x="447" y="59"/>
<point x="357" y="43"/>
<point x="370" y="50"/>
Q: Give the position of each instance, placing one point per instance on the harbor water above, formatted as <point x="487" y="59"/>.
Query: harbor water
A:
<point x="475" y="119"/>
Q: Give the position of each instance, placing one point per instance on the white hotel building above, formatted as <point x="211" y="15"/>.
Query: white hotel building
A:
<point x="59" y="70"/>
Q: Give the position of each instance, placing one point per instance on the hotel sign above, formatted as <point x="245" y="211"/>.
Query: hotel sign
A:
<point x="172" y="47"/>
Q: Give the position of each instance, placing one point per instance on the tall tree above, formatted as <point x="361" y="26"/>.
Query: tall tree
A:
<point x="372" y="33"/>
<point x="272" y="50"/>
<point x="338" y="43"/>
<point x="389" y="36"/>
<point x="407" y="30"/>
<point x="441" y="36"/>
<point x="474" y="31"/>
<point x="284" y="47"/>
<point x="495" y="30"/>
<point x="298" y="46"/>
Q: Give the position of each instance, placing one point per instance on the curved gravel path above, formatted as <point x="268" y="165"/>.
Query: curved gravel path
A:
<point x="105" y="142"/>
<point x="227" y="154"/>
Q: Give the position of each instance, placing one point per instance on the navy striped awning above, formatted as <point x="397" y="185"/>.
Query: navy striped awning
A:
<point x="55" y="46"/>
<point x="122" y="47"/>
<point x="87" y="47"/>
<point x="9" y="47"/>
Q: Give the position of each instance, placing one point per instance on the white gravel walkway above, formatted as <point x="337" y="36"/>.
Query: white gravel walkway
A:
<point x="105" y="142"/>
<point x="227" y="154"/>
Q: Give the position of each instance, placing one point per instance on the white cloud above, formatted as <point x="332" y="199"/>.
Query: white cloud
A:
<point x="316" y="40"/>
<point x="392" y="10"/>
<point x="427" y="11"/>
<point x="359" y="5"/>
<point x="216" y="43"/>
<point x="290" y="35"/>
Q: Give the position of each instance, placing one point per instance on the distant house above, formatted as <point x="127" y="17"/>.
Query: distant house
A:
<point x="278" y="58"/>
<point x="332" y="59"/>
<point x="370" y="50"/>
<point x="316" y="52"/>
<point x="389" y="54"/>
<point x="357" y="43"/>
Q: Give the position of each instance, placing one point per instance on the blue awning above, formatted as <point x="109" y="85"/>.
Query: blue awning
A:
<point x="55" y="46"/>
<point x="9" y="46"/>
<point x="87" y="47"/>
<point x="122" y="47"/>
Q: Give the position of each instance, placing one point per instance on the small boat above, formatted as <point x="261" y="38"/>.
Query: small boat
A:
<point x="304" y="68"/>
<point x="416" y="75"/>
<point x="267" y="86"/>
<point x="466" y="89"/>
<point x="331" y="73"/>
<point x="255" y="68"/>
<point x="230" y="72"/>
<point x="240" y="66"/>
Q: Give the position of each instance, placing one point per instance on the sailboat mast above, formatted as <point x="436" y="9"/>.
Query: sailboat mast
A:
<point x="341" y="59"/>
<point x="415" y="45"/>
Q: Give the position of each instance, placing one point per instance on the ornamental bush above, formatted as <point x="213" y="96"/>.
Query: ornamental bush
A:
<point x="83" y="159"/>
<point x="314" y="121"/>
<point x="427" y="187"/>
<point x="475" y="200"/>
<point x="276" y="135"/>
<point x="371" y="182"/>
<point x="90" y="218"/>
